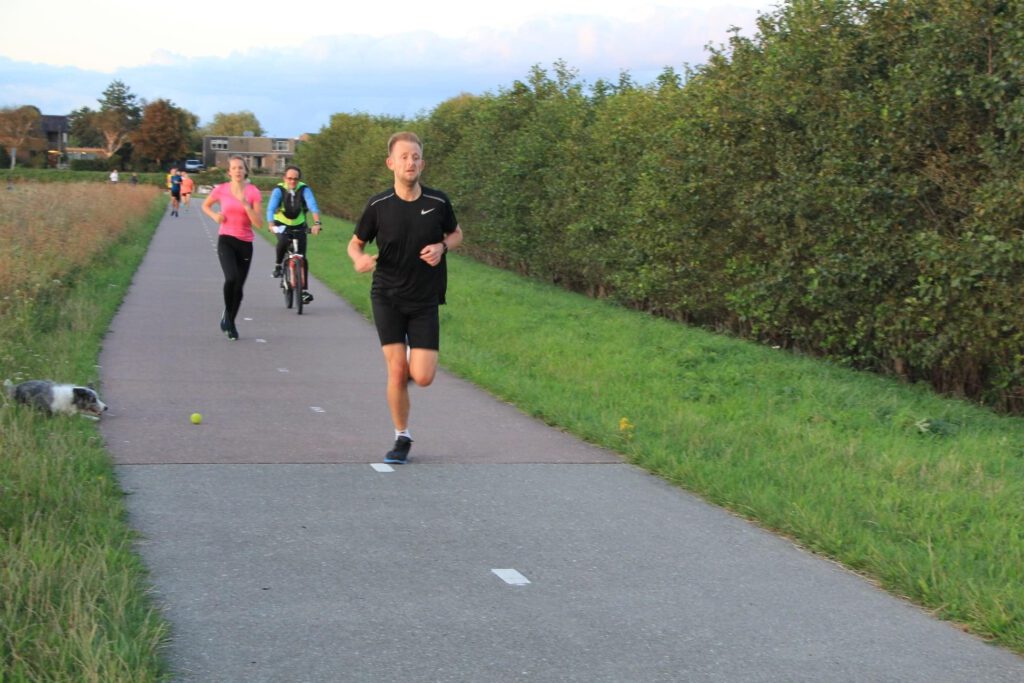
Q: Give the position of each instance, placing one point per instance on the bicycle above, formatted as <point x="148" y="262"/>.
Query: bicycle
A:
<point x="293" y="275"/>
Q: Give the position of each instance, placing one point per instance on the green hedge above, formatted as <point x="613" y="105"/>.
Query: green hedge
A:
<point x="846" y="183"/>
<point x="50" y="175"/>
<point x="90" y="165"/>
<point x="346" y="165"/>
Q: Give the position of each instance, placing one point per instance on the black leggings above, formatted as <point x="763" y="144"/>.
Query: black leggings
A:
<point x="235" y="258"/>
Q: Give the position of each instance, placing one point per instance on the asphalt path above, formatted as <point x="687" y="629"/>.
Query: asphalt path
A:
<point x="281" y="549"/>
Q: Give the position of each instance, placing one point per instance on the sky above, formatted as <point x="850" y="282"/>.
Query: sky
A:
<point x="294" y="65"/>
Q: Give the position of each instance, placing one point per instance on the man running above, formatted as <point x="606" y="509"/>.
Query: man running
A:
<point x="289" y="203"/>
<point x="174" y="183"/>
<point x="414" y="227"/>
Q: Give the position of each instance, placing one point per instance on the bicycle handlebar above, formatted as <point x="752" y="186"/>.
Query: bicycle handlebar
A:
<point x="286" y="228"/>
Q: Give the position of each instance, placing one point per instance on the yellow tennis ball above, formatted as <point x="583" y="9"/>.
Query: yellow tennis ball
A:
<point x="196" y="418"/>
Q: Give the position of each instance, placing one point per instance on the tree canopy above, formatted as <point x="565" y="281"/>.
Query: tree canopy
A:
<point x="236" y="123"/>
<point x="18" y="125"/>
<point x="164" y="131"/>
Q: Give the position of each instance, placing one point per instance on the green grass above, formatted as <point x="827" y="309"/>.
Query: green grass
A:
<point x="53" y="175"/>
<point x="212" y="176"/>
<point x="919" y="492"/>
<point x="73" y="594"/>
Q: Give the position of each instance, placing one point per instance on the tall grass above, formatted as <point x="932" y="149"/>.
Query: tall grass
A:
<point x="919" y="492"/>
<point x="50" y="230"/>
<point x="73" y="602"/>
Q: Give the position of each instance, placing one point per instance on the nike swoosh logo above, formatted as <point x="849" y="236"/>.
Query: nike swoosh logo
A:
<point x="424" y="212"/>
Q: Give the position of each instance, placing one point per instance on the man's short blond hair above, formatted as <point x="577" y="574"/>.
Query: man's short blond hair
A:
<point x="404" y="136"/>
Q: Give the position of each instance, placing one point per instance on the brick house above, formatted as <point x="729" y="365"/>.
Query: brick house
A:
<point x="263" y="154"/>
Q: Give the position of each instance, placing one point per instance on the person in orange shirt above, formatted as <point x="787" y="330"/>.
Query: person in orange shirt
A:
<point x="188" y="186"/>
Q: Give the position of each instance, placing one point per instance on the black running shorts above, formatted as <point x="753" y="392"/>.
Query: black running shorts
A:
<point x="416" y="326"/>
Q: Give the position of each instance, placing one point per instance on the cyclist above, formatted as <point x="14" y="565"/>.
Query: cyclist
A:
<point x="289" y="204"/>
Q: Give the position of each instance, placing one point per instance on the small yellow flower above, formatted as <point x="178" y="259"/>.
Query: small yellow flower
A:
<point x="626" y="429"/>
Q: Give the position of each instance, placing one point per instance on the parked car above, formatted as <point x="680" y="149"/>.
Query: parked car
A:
<point x="194" y="165"/>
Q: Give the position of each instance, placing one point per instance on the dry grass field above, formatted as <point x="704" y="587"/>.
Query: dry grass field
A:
<point x="51" y="229"/>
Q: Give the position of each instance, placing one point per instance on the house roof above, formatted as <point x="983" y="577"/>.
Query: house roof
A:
<point x="54" y="123"/>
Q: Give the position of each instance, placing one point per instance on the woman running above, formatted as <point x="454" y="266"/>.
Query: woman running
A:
<point x="238" y="214"/>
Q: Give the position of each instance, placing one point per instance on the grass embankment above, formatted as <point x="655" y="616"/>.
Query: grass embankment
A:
<point x="919" y="492"/>
<point x="73" y="603"/>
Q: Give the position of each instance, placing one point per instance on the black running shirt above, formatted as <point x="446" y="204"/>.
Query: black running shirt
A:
<point x="401" y="229"/>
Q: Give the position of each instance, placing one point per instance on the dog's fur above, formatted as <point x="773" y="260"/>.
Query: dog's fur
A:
<point x="54" y="398"/>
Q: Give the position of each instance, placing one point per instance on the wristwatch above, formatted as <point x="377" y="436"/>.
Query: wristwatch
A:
<point x="444" y="246"/>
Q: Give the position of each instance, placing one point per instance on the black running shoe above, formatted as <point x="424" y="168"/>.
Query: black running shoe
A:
<point x="399" y="454"/>
<point x="224" y="325"/>
<point x="307" y="298"/>
<point x="232" y="332"/>
<point x="277" y="271"/>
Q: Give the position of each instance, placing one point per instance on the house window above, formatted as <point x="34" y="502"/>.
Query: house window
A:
<point x="219" y="144"/>
<point x="280" y="145"/>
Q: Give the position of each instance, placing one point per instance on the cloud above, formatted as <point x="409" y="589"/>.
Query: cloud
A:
<point x="55" y="90"/>
<point x="295" y="90"/>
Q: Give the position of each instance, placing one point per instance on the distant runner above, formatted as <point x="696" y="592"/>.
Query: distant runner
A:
<point x="188" y="186"/>
<point x="174" y="183"/>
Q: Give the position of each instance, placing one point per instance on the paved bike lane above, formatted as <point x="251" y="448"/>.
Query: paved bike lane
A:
<point x="505" y="551"/>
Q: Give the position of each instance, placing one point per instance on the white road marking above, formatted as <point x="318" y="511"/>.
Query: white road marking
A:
<point x="511" y="577"/>
<point x="381" y="467"/>
<point x="261" y="341"/>
<point x="317" y="409"/>
<point x="283" y="370"/>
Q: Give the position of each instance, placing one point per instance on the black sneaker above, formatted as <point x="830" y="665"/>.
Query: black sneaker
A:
<point x="307" y="298"/>
<point x="277" y="271"/>
<point x="399" y="454"/>
<point x="232" y="332"/>
<point x="224" y="325"/>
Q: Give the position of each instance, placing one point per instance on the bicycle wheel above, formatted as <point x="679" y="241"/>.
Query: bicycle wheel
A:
<point x="286" y="281"/>
<point x="297" y="265"/>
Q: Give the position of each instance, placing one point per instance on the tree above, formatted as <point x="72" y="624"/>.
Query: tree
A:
<point x="81" y="129"/>
<point x="162" y="134"/>
<point x="237" y="123"/>
<point x="119" y="115"/>
<point x="344" y="161"/>
<point x="190" y="125"/>
<point x="18" y="125"/>
<point x="111" y="125"/>
<point x="120" y="98"/>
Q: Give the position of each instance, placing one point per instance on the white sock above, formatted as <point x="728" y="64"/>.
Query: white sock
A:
<point x="404" y="432"/>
